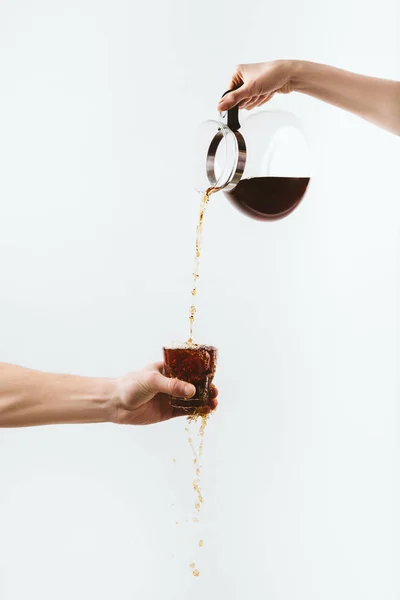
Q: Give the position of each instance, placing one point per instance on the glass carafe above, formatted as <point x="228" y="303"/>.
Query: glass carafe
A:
<point x="262" y="166"/>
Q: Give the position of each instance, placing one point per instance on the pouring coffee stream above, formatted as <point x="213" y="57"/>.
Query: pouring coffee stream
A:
<point x="196" y="271"/>
<point x="240" y="165"/>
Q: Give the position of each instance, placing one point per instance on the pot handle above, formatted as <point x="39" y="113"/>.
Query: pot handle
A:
<point x="232" y="116"/>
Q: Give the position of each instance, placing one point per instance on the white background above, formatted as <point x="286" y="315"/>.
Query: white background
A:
<point x="98" y="102"/>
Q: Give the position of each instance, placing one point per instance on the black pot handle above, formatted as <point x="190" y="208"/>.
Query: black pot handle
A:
<point x="232" y="116"/>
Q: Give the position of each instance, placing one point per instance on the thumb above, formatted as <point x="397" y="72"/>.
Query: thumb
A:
<point x="233" y="98"/>
<point x="160" y="384"/>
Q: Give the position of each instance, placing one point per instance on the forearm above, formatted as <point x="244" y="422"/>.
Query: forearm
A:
<point x="373" y="99"/>
<point x="33" y="398"/>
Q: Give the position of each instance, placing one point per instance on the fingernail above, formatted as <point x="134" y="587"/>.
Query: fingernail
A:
<point x="189" y="390"/>
<point x="222" y="106"/>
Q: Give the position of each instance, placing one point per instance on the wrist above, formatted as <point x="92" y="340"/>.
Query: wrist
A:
<point x="104" y="401"/>
<point x="299" y="71"/>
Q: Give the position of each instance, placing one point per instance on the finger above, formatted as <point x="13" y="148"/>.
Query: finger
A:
<point x="251" y="103"/>
<point x="213" y="404"/>
<point x="213" y="392"/>
<point x="233" y="98"/>
<point x="158" y="383"/>
<point x="259" y="100"/>
<point x="159" y="366"/>
<point x="264" y="98"/>
<point x="237" y="79"/>
<point x="245" y="103"/>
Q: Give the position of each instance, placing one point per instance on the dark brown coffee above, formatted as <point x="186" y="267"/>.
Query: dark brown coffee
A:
<point x="268" y="198"/>
<point x="195" y="364"/>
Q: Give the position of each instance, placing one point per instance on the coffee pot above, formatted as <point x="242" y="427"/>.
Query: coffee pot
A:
<point x="262" y="166"/>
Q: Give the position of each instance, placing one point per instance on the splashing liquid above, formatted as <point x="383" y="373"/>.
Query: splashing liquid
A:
<point x="195" y="571"/>
<point x="193" y="418"/>
<point x="197" y="454"/>
<point x="196" y="272"/>
<point x="264" y="198"/>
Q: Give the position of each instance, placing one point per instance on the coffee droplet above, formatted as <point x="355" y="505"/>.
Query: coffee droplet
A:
<point x="195" y="571"/>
